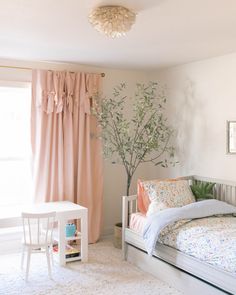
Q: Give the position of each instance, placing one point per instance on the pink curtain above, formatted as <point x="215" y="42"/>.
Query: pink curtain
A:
<point x="67" y="158"/>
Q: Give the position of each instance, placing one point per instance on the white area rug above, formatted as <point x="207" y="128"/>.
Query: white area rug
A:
<point x="104" y="274"/>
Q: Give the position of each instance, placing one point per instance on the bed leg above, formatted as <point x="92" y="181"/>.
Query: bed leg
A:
<point x="124" y="251"/>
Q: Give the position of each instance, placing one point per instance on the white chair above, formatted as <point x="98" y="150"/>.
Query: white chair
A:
<point x="38" y="236"/>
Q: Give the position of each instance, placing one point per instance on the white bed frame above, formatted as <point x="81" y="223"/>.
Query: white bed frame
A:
<point x="185" y="273"/>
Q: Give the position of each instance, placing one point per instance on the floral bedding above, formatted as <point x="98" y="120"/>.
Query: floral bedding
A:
<point x="210" y="239"/>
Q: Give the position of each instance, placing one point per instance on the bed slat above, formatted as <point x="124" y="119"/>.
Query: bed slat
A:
<point x="224" y="190"/>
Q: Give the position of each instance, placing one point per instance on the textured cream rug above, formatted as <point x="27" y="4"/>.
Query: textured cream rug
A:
<point x="104" y="274"/>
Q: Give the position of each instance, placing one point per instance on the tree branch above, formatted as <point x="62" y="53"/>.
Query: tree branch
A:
<point x="161" y="153"/>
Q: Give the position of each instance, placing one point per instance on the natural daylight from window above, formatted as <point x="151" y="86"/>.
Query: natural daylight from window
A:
<point x="15" y="152"/>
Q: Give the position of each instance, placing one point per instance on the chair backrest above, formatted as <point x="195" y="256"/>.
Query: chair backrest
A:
<point x="38" y="228"/>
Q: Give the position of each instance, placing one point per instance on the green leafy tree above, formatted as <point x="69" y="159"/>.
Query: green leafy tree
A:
<point x="140" y="138"/>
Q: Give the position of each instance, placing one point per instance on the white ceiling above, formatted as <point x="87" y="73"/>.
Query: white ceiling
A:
<point x="166" y="32"/>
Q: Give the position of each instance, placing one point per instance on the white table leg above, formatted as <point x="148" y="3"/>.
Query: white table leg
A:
<point x="84" y="236"/>
<point x="61" y="241"/>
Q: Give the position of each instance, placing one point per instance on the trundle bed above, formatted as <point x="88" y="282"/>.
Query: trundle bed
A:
<point x="185" y="272"/>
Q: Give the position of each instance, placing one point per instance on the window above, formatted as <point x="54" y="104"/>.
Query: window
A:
<point x="15" y="152"/>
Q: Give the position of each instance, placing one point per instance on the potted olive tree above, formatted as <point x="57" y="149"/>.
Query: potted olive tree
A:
<point x="144" y="136"/>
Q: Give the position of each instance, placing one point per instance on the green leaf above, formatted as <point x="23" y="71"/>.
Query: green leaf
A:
<point x="202" y="190"/>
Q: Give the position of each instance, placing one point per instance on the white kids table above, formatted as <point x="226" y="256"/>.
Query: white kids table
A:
<point x="11" y="216"/>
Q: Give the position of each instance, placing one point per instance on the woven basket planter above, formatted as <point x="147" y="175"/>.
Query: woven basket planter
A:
<point x="117" y="239"/>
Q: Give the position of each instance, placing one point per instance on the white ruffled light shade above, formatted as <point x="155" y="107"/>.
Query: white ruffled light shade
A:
<point x="113" y="21"/>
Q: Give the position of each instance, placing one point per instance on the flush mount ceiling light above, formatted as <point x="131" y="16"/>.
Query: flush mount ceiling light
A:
<point x="112" y="20"/>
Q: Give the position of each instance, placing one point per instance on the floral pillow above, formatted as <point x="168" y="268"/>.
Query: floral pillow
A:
<point x="168" y="194"/>
<point x="142" y="193"/>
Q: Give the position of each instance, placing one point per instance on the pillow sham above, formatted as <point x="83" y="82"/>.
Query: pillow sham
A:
<point x="142" y="194"/>
<point x="163" y="194"/>
<point x="142" y="198"/>
<point x="169" y="194"/>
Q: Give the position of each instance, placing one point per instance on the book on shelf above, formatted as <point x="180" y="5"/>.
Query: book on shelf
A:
<point x="70" y="251"/>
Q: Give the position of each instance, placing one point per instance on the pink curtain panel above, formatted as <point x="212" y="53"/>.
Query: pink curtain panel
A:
<point x="67" y="157"/>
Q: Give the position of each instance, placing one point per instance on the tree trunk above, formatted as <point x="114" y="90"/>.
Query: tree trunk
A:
<point x="118" y="227"/>
<point x="129" y="178"/>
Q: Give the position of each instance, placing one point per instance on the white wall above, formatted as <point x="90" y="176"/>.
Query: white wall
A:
<point x="202" y="97"/>
<point x="114" y="175"/>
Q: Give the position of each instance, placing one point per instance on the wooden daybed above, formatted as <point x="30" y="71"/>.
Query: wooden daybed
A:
<point x="182" y="271"/>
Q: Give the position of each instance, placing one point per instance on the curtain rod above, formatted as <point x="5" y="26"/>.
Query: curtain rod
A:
<point x="30" y="69"/>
